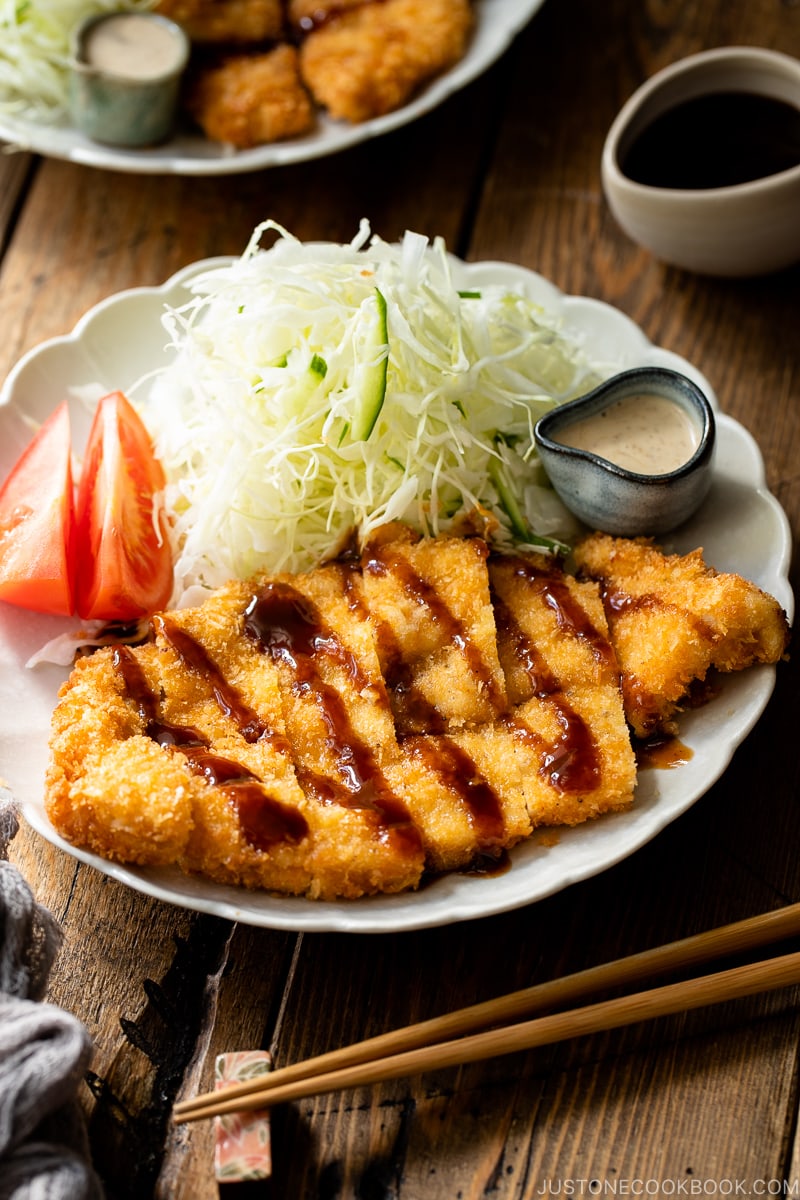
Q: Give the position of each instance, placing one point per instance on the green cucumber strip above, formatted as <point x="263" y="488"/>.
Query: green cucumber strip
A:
<point x="508" y="501"/>
<point x="519" y="525"/>
<point x="373" y="376"/>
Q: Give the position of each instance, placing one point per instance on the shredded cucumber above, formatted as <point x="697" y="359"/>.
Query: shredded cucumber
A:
<point x="35" y="49"/>
<point x="319" y="390"/>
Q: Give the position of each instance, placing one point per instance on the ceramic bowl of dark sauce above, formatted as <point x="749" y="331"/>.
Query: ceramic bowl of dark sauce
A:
<point x="634" y="456"/>
<point x="702" y="165"/>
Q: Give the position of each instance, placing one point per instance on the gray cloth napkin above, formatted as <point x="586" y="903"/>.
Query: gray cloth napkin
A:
<point x="44" y="1052"/>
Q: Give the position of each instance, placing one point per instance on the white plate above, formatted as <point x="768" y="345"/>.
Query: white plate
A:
<point x="741" y="528"/>
<point x="188" y="153"/>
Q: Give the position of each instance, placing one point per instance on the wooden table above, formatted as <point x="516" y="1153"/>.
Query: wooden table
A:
<point x="705" y="1103"/>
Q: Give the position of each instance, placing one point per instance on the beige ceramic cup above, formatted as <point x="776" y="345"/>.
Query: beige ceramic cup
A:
<point x="746" y="229"/>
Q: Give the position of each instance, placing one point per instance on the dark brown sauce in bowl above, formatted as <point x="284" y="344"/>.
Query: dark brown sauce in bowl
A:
<point x="716" y="140"/>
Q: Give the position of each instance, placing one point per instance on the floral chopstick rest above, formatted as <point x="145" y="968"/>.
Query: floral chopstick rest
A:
<point x="242" y="1147"/>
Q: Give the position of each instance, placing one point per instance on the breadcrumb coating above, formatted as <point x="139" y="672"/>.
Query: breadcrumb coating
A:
<point x="343" y="732"/>
<point x="248" y="100"/>
<point x="231" y="21"/>
<point x="672" y="619"/>
<point x="371" y="59"/>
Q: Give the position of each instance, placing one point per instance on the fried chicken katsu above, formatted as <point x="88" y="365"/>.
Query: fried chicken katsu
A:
<point x="247" y="100"/>
<point x="672" y="620"/>
<point x="408" y="709"/>
<point x="308" y="14"/>
<point x="370" y="59"/>
<point x="262" y="69"/>
<point x="228" y="21"/>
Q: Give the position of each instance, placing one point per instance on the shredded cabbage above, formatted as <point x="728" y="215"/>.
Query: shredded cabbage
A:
<point x="253" y="418"/>
<point x="35" y="50"/>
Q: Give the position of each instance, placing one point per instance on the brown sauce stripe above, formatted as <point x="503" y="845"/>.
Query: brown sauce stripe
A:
<point x="571" y="763"/>
<point x="460" y="775"/>
<point x="415" y="711"/>
<point x="572" y="618"/>
<point x="265" y="821"/>
<point x="661" y="751"/>
<point x="195" y="658"/>
<point x="285" y="625"/>
<point x="617" y="601"/>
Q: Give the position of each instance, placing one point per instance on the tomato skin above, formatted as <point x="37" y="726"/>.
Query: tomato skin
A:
<point x="124" y="556"/>
<point x="37" y="522"/>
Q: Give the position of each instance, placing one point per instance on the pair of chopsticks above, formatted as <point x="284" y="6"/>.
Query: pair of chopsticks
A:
<point x="482" y="1030"/>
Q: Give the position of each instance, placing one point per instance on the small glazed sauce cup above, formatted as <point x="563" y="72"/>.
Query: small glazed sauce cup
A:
<point x="125" y="78"/>
<point x="620" y="499"/>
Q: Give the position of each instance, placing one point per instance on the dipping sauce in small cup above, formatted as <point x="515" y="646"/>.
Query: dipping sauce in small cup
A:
<point x="125" y="79"/>
<point x="633" y="456"/>
<point x="133" y="46"/>
<point x="645" y="433"/>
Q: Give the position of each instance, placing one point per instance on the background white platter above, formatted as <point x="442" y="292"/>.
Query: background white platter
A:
<point x="189" y="153"/>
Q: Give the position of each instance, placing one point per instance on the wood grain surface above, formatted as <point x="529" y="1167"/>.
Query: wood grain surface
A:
<point x="506" y="169"/>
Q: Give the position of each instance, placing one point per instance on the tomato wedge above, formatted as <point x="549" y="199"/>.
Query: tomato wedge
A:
<point x="37" y="522"/>
<point x="124" y="555"/>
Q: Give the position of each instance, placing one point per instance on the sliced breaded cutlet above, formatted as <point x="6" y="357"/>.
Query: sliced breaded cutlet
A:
<point x="429" y="602"/>
<point x="559" y="754"/>
<point x="189" y="750"/>
<point x="672" y="620"/>
<point x="429" y="606"/>
<point x="465" y="791"/>
<point x="339" y="725"/>
<point x="566" y="729"/>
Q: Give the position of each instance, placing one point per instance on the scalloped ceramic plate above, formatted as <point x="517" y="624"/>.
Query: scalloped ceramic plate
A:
<point x="188" y="153"/>
<point x="741" y="528"/>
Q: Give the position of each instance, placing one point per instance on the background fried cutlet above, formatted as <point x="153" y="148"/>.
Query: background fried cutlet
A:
<point x="434" y="623"/>
<point x="234" y="21"/>
<point x="672" y="619"/>
<point x="306" y="14"/>
<point x="370" y="59"/>
<point x="250" y="99"/>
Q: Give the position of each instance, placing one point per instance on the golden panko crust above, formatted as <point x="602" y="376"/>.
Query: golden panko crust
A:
<point x="673" y="619"/>
<point x="229" y="21"/>
<point x="249" y="100"/>
<point x="342" y="732"/>
<point x="371" y="59"/>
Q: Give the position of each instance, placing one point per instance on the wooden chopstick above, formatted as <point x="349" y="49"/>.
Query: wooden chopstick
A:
<point x="430" y="1044"/>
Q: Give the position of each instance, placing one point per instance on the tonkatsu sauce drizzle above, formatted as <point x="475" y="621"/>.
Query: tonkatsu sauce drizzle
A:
<point x="265" y="821"/>
<point x="381" y="561"/>
<point x="618" y="602"/>
<point x="571" y="763"/>
<point x="288" y="627"/>
<point x="661" y="751"/>
<point x="572" y="618"/>
<point x="196" y="659"/>
<point x="460" y="775"/>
